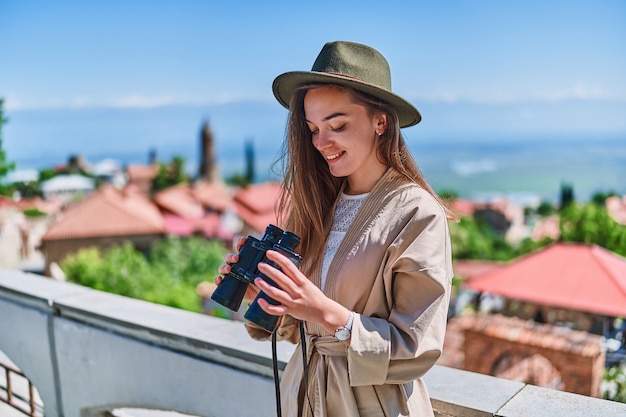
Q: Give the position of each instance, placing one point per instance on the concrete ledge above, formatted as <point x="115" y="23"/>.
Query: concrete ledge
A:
<point x="537" y="401"/>
<point x="87" y="349"/>
<point x="199" y="335"/>
<point x="456" y="392"/>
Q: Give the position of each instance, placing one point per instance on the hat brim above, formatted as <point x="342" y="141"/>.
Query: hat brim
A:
<point x="285" y="84"/>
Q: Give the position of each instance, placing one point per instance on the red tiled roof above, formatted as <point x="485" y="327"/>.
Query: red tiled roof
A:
<point x="469" y="269"/>
<point x="108" y="212"/>
<point x="210" y="226"/>
<point x="259" y="198"/>
<point x="215" y="196"/>
<point x="181" y="201"/>
<point x="463" y="207"/>
<point x="572" y="276"/>
<point x="256" y="204"/>
<point x="6" y="201"/>
<point x="192" y="201"/>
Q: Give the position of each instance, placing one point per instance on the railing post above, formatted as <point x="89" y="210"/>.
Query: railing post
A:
<point x="9" y="389"/>
<point x="31" y="398"/>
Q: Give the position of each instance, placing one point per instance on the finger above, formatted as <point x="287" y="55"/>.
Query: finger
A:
<point x="224" y="269"/>
<point x="239" y="243"/>
<point x="283" y="281"/>
<point x="274" y="292"/>
<point x="231" y="258"/>
<point x="290" y="269"/>
<point x="217" y="280"/>
<point x="274" y="310"/>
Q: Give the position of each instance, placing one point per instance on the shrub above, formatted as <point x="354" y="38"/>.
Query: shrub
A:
<point x="613" y="385"/>
<point x="168" y="276"/>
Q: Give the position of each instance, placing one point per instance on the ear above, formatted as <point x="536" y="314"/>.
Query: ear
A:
<point x="381" y="123"/>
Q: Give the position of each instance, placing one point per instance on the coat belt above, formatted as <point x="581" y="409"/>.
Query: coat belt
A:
<point x="312" y="391"/>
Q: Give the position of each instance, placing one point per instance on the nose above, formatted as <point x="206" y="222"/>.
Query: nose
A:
<point x="321" y="140"/>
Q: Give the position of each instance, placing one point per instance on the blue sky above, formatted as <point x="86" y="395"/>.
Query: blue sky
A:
<point x="121" y="76"/>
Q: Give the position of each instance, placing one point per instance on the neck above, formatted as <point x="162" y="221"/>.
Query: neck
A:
<point x="364" y="183"/>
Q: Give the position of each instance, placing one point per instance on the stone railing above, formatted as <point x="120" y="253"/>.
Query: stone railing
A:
<point x="88" y="352"/>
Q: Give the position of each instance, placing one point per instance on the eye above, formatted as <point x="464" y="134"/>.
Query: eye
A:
<point x="314" y="130"/>
<point x="338" y="129"/>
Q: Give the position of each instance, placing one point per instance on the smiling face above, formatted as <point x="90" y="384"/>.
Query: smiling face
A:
<point x="346" y="136"/>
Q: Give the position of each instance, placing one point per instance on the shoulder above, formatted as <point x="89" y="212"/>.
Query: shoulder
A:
<point x="394" y="186"/>
<point x="405" y="211"/>
<point x="415" y="199"/>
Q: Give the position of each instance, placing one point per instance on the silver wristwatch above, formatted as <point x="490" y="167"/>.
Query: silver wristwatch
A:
<point x="342" y="334"/>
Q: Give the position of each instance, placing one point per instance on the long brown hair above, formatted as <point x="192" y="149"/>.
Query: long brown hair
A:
<point x="309" y="190"/>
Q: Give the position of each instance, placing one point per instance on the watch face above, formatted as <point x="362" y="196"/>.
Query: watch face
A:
<point x="342" y="335"/>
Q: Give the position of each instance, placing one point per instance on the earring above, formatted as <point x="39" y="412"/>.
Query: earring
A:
<point x="379" y="133"/>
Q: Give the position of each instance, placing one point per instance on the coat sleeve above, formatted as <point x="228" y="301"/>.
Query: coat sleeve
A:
<point x="417" y="276"/>
<point x="288" y="329"/>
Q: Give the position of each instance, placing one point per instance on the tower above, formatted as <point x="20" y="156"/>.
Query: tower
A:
<point x="209" y="170"/>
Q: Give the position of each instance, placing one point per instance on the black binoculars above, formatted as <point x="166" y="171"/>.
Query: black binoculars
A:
<point x="231" y="291"/>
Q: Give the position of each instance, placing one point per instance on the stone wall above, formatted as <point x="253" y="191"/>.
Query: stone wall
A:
<point x="538" y="354"/>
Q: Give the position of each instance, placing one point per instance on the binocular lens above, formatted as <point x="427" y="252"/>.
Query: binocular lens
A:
<point x="230" y="294"/>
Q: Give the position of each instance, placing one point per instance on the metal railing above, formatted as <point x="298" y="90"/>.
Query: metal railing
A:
<point x="14" y="393"/>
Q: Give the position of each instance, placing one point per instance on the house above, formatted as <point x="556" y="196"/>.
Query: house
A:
<point x="502" y="215"/>
<point x="570" y="284"/>
<point x="195" y="209"/>
<point x="141" y="176"/>
<point x="557" y="304"/>
<point x="616" y="207"/>
<point x="107" y="217"/>
<point x="111" y="216"/>
<point x="67" y="187"/>
<point x="256" y="206"/>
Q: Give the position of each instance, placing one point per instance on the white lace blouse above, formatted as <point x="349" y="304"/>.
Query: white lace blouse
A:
<point x="345" y="212"/>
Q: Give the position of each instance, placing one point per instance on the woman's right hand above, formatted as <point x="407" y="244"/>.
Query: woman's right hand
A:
<point x="224" y="269"/>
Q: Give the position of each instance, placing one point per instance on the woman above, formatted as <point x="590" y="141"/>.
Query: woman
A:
<point x="374" y="285"/>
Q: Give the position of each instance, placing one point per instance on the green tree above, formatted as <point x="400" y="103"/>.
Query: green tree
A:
<point x="168" y="276"/>
<point x="28" y="189"/>
<point x="474" y="239"/>
<point x="599" y="198"/>
<point x="187" y="259"/>
<point x="592" y="224"/>
<point x="249" y="152"/>
<point x="5" y="166"/>
<point x="170" y="175"/>
<point x="243" y="180"/>
<point x="46" y="174"/>
<point x="448" y="195"/>
<point x="567" y="195"/>
<point x="545" y="209"/>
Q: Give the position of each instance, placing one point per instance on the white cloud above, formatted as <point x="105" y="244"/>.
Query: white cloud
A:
<point x="13" y="102"/>
<point x="490" y="95"/>
<point x="137" y="101"/>
<point x="578" y="91"/>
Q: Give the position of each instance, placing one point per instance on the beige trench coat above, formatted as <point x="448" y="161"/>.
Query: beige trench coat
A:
<point x="394" y="270"/>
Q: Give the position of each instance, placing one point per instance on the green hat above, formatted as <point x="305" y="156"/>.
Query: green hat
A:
<point x="349" y="64"/>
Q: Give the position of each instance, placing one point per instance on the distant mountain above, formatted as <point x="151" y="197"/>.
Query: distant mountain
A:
<point x="474" y="149"/>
